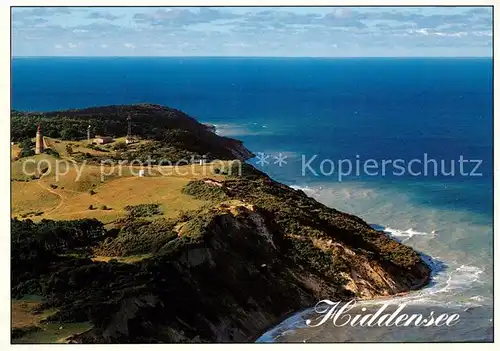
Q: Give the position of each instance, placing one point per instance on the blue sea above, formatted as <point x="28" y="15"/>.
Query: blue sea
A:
<point x="433" y="115"/>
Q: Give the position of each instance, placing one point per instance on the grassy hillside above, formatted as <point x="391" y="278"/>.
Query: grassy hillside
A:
<point x="69" y="193"/>
<point x="114" y="257"/>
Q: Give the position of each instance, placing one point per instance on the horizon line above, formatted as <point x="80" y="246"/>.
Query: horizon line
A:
<point x="231" y="56"/>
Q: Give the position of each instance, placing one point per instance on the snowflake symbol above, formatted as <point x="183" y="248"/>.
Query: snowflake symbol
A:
<point x="280" y="159"/>
<point x="262" y="159"/>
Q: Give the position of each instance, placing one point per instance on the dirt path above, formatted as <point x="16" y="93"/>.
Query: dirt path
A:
<point x="85" y="211"/>
<point x="55" y="193"/>
<point x="63" y="202"/>
<point x="98" y="200"/>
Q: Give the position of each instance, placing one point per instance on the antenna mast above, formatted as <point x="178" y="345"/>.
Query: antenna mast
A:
<point x="129" y="129"/>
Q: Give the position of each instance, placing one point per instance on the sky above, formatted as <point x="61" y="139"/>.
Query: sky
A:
<point x="252" y="31"/>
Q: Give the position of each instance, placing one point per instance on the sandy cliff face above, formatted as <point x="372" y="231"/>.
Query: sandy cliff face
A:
<point x="242" y="273"/>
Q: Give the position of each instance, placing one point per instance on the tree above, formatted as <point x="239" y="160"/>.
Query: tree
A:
<point x="70" y="133"/>
<point x="120" y="146"/>
<point x="26" y="146"/>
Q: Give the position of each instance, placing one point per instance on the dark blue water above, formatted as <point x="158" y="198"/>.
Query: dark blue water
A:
<point x="337" y="109"/>
<point x="381" y="109"/>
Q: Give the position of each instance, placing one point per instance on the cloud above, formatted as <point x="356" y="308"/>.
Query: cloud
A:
<point x="58" y="46"/>
<point x="94" y="31"/>
<point x="430" y="32"/>
<point x="40" y="11"/>
<point x="101" y="27"/>
<point x="282" y="17"/>
<point x="102" y="15"/>
<point x="269" y="19"/>
<point x="36" y="15"/>
<point x="217" y="31"/>
<point x="342" y="13"/>
<point x="413" y="18"/>
<point x="365" y="19"/>
<point x="180" y="17"/>
<point x="72" y="46"/>
<point x="444" y="34"/>
<point x="481" y="11"/>
<point x="32" y="21"/>
<point x="482" y="34"/>
<point x="346" y="20"/>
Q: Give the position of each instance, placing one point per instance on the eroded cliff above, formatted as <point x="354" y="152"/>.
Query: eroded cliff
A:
<point x="241" y="266"/>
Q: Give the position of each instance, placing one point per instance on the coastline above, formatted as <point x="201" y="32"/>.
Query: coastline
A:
<point x="266" y="202"/>
<point x="338" y="121"/>
<point x="285" y="322"/>
<point x="306" y="310"/>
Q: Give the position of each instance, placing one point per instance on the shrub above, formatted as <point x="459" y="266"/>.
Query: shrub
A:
<point x="91" y="207"/>
<point x="92" y="192"/>
<point x="121" y="145"/>
<point x="144" y="210"/>
<point x="96" y="148"/>
<point x="139" y="237"/>
<point x="26" y="144"/>
<point x="52" y="152"/>
<point x="35" y="245"/>
<point x="26" y="153"/>
<point x="204" y="191"/>
<point x="22" y="331"/>
<point x="53" y="186"/>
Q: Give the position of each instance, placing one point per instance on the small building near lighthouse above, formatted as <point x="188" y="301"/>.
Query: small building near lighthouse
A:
<point x="100" y="140"/>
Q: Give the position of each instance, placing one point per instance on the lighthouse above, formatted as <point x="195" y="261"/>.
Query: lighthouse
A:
<point x="39" y="141"/>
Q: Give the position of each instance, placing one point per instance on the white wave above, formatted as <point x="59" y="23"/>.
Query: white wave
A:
<point x="313" y="192"/>
<point x="478" y="298"/>
<point x="461" y="279"/>
<point x="442" y="284"/>
<point x="456" y="280"/>
<point x="445" y="280"/>
<point x="233" y="129"/>
<point x="405" y="235"/>
<point x="303" y="188"/>
<point x="230" y="130"/>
